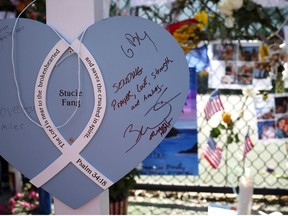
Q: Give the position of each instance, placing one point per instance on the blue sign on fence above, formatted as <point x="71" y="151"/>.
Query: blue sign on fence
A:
<point x="177" y="153"/>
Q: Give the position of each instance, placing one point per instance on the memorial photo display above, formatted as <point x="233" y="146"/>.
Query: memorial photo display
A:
<point x="236" y="66"/>
<point x="272" y="116"/>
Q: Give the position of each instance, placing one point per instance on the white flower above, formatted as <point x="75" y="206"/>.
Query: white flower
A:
<point x="285" y="71"/>
<point x="229" y="21"/>
<point x="226" y="8"/>
<point x="250" y="92"/>
<point x="237" y="4"/>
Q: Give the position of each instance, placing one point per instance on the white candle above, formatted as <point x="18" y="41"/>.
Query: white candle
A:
<point x="245" y="194"/>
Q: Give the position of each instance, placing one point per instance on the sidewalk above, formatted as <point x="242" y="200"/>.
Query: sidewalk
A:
<point x="143" y="202"/>
<point x="189" y="203"/>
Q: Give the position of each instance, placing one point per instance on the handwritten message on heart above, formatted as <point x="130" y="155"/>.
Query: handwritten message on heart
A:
<point x="132" y="85"/>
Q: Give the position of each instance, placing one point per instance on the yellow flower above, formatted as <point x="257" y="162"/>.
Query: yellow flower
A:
<point x="188" y="34"/>
<point x="212" y="15"/>
<point x="264" y="51"/>
<point x="186" y="37"/>
<point x="226" y="117"/>
<point x="200" y="26"/>
<point x="202" y="17"/>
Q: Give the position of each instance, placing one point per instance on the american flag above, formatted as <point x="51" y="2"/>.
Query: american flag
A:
<point x="248" y="145"/>
<point x="213" y="105"/>
<point x="212" y="153"/>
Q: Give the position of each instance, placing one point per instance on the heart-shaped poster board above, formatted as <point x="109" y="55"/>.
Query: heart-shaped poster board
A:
<point x="74" y="120"/>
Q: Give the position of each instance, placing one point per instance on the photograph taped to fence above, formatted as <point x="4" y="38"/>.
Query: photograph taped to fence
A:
<point x="235" y="66"/>
<point x="272" y="116"/>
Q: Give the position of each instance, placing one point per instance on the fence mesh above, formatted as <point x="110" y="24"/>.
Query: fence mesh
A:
<point x="265" y="154"/>
<point x="271" y="154"/>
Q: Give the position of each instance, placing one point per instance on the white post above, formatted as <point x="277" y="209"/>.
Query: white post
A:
<point x="70" y="18"/>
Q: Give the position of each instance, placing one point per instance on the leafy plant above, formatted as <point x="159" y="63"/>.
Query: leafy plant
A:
<point x="227" y="125"/>
<point x="24" y="203"/>
<point x="36" y="11"/>
<point x="120" y="190"/>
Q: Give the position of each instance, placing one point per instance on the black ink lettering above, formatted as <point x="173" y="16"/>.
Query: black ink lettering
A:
<point x="6" y="112"/>
<point x="65" y="93"/>
<point x="126" y="80"/>
<point x="163" y="68"/>
<point x="156" y="90"/>
<point x="143" y="85"/>
<point x="160" y="128"/>
<point x="84" y="166"/>
<point x="12" y="127"/>
<point x="75" y="103"/>
<point x="89" y="62"/>
<point x="135" y="105"/>
<point x="123" y="102"/>
<point x="134" y="41"/>
<point x="90" y="131"/>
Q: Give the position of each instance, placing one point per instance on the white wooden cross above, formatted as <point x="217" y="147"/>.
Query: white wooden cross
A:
<point x="70" y="18"/>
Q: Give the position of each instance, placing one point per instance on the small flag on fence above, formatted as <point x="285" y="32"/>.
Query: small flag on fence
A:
<point x="213" y="105"/>
<point x="248" y="145"/>
<point x="212" y="153"/>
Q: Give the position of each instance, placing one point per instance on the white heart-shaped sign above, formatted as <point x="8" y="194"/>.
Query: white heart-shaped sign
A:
<point x="85" y="114"/>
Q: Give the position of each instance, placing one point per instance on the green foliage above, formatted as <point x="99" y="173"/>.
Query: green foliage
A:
<point x="252" y="21"/>
<point x="26" y="202"/>
<point x="226" y="129"/>
<point x="215" y="132"/>
<point x="36" y="11"/>
<point x="120" y="190"/>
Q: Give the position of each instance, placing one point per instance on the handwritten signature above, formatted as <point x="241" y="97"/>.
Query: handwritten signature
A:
<point x="161" y="128"/>
<point x="136" y="40"/>
<point x="3" y="37"/>
<point x="6" y="34"/>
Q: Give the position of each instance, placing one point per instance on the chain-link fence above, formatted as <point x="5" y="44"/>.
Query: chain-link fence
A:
<point x="263" y="155"/>
<point x="179" y="193"/>
<point x="225" y="178"/>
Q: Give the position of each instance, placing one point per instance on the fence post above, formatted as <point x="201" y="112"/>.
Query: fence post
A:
<point x="70" y="18"/>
